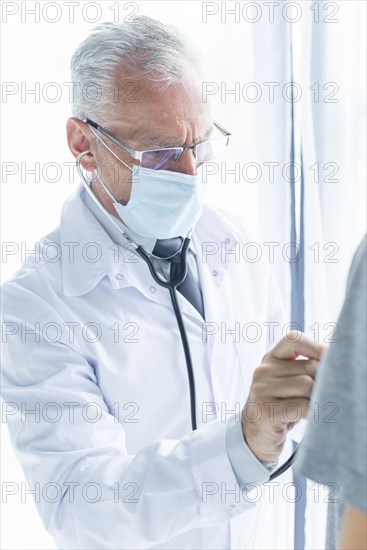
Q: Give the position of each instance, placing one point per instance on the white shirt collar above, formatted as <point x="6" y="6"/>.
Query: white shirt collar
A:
<point x="81" y="232"/>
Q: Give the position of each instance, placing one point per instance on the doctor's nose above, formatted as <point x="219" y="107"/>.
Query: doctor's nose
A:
<point x="187" y="163"/>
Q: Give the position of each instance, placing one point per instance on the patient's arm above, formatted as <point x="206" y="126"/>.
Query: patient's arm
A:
<point x="354" y="531"/>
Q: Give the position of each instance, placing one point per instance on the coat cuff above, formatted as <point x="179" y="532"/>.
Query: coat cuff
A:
<point x="220" y="489"/>
<point x="247" y="467"/>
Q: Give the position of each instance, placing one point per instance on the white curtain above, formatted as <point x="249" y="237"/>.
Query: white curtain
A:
<point x="333" y="140"/>
<point x="322" y="204"/>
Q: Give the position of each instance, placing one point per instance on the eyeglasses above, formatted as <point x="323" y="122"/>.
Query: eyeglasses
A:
<point x="166" y="158"/>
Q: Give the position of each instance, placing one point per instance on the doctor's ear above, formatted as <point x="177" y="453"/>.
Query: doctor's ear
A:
<point x="78" y="141"/>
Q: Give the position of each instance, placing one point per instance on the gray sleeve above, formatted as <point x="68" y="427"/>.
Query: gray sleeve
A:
<point x="334" y="447"/>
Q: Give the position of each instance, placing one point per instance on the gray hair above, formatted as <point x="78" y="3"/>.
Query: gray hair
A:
<point x="158" y="52"/>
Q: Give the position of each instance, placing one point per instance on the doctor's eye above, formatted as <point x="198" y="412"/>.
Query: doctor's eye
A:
<point x="160" y="158"/>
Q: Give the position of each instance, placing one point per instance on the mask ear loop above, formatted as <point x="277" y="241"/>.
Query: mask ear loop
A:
<point x="129" y="241"/>
<point x="116" y="156"/>
<point x="95" y="171"/>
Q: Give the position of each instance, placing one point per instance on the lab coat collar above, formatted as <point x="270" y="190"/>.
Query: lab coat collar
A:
<point x="95" y="255"/>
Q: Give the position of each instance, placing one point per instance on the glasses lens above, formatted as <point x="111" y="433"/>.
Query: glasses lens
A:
<point x="165" y="159"/>
<point x="209" y="150"/>
<point x="160" y="159"/>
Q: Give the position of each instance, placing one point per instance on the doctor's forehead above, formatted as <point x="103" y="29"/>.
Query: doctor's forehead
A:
<point x="167" y="112"/>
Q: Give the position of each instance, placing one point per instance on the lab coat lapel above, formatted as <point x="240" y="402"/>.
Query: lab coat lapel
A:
<point x="223" y="357"/>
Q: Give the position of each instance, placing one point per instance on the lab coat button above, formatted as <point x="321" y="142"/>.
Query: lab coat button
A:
<point x="152" y="289"/>
<point x="214" y="273"/>
<point x="119" y="276"/>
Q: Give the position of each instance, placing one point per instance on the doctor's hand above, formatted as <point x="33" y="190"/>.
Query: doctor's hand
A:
<point x="279" y="394"/>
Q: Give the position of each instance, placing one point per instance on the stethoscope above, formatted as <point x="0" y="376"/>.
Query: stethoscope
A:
<point x="178" y="274"/>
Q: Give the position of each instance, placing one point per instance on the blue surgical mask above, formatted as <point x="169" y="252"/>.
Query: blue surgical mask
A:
<point x="163" y="204"/>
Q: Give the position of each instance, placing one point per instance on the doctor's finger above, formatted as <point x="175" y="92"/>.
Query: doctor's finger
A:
<point x="284" y="368"/>
<point x="295" y="344"/>
<point x="286" y="388"/>
<point x="290" y="411"/>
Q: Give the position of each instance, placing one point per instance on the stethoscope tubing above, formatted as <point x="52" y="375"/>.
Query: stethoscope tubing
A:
<point x="180" y="277"/>
<point x="172" y="288"/>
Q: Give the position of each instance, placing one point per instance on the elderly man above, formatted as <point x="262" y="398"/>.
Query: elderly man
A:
<point x="135" y="440"/>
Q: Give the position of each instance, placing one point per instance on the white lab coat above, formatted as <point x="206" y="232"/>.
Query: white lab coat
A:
<point x="105" y="334"/>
